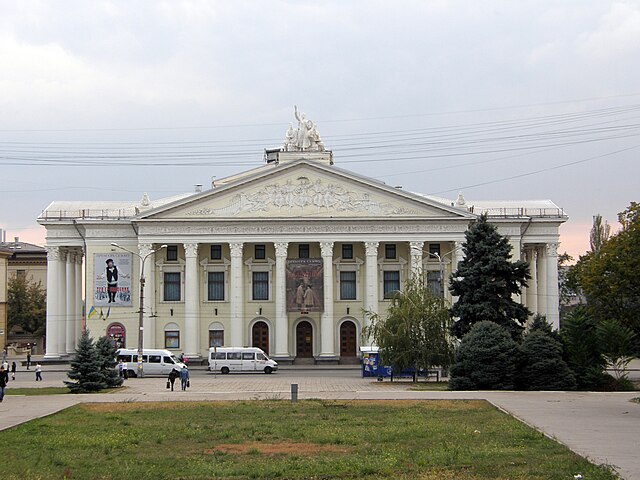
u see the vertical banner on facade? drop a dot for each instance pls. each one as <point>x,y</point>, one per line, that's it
<point>305,285</point>
<point>112,279</point>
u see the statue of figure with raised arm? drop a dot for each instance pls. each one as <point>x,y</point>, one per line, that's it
<point>303,142</point>
<point>304,138</point>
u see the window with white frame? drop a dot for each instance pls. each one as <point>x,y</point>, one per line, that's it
<point>348,285</point>
<point>172,286</point>
<point>171,336</point>
<point>260,285</point>
<point>391,285</point>
<point>215,286</point>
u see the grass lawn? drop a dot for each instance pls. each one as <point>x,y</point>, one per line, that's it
<point>459,440</point>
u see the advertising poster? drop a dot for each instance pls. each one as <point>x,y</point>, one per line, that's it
<point>305,292</point>
<point>112,279</point>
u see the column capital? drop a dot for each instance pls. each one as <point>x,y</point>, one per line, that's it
<point>236,249</point>
<point>551,249</point>
<point>371,248</point>
<point>281,249</point>
<point>63,255</point>
<point>416,248</point>
<point>145,248</point>
<point>53,253</point>
<point>326,249</point>
<point>191,250</point>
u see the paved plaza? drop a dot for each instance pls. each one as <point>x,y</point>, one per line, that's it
<point>603,427</point>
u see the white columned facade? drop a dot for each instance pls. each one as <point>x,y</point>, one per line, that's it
<point>553,301</point>
<point>327,344</point>
<point>282,321</point>
<point>371,280</point>
<point>70,299</point>
<point>149,332</point>
<point>532,289</point>
<point>542,281</point>
<point>78,297</point>
<point>237,295</point>
<point>62,301</point>
<point>53,314</point>
<point>415,250</point>
<point>191,302</point>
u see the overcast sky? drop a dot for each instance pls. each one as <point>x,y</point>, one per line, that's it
<point>508,100</point>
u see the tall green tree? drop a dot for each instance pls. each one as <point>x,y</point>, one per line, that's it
<point>106,352</point>
<point>86,368</point>
<point>26,305</point>
<point>486,282</point>
<point>600,233</point>
<point>415,330</point>
<point>609,277</point>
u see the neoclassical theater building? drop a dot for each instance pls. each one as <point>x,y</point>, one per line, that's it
<point>286,257</point>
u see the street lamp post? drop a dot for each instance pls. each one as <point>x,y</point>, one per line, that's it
<point>441,263</point>
<point>141,313</point>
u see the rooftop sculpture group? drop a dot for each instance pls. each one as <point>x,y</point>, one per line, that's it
<point>305,138</point>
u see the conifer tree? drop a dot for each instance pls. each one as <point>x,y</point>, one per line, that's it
<point>106,352</point>
<point>486,281</point>
<point>85,368</point>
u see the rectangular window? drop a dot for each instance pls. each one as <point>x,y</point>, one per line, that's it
<point>391,283</point>
<point>260,285</point>
<point>218,356</point>
<point>303,250</point>
<point>155,358</point>
<point>216,252</point>
<point>260,252</point>
<point>389,251</point>
<point>215,286</point>
<point>172,286</point>
<point>347,251</point>
<point>216,338</point>
<point>434,283</point>
<point>171,339</point>
<point>347,285</point>
<point>172,253</point>
<point>21,274</point>
<point>248,355</point>
<point>434,249</point>
<point>234,356</point>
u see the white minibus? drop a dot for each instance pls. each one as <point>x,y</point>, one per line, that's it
<point>240,359</point>
<point>154,362</point>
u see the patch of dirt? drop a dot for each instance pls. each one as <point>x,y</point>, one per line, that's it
<point>284,448</point>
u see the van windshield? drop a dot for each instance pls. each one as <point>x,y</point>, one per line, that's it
<point>174,359</point>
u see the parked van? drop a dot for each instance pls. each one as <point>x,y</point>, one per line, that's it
<point>154,362</point>
<point>240,359</point>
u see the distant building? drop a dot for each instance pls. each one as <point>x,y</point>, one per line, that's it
<point>284,257</point>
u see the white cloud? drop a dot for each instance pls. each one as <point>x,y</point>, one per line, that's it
<point>618,34</point>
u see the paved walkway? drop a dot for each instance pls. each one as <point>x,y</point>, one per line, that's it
<point>605,427</point>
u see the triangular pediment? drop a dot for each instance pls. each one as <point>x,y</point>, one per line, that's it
<point>304,190</point>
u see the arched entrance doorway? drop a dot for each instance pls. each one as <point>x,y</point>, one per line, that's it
<point>348,333</point>
<point>304,340</point>
<point>260,336</point>
<point>117,335</point>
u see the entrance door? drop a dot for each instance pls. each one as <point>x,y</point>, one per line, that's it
<point>347,339</point>
<point>304,340</point>
<point>260,336</point>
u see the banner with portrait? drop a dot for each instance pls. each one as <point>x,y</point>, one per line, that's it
<point>305,285</point>
<point>112,279</point>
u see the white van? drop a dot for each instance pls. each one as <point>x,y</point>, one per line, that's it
<point>154,362</point>
<point>240,359</point>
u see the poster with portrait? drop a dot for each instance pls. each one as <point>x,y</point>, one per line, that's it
<point>112,279</point>
<point>305,292</point>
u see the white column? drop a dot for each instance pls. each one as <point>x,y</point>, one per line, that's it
<point>53,314</point>
<point>327,334</point>
<point>282,320</point>
<point>532,289</point>
<point>371,281</point>
<point>62,301</point>
<point>415,250</point>
<point>70,320</point>
<point>456,256</point>
<point>542,282</point>
<point>191,302</point>
<point>149,332</point>
<point>237,295</point>
<point>78,298</point>
<point>553,299</point>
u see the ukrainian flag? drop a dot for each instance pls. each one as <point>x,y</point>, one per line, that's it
<point>92,312</point>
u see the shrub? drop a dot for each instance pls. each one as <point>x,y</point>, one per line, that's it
<point>541,364</point>
<point>485,359</point>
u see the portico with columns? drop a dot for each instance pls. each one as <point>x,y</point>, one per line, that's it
<point>225,277</point>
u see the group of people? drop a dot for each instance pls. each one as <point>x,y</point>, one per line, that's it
<point>5,370</point>
<point>182,374</point>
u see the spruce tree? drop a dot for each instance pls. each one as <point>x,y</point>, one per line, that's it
<point>541,364</point>
<point>486,281</point>
<point>85,368</point>
<point>106,352</point>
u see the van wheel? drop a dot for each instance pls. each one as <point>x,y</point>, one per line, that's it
<point>268,370</point>
<point>132,374</point>
<point>224,370</point>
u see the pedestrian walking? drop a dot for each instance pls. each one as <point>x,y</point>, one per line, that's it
<point>173,374</point>
<point>125,370</point>
<point>38,372</point>
<point>4,379</point>
<point>184,378</point>
<point>28,360</point>
<point>13,370</point>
